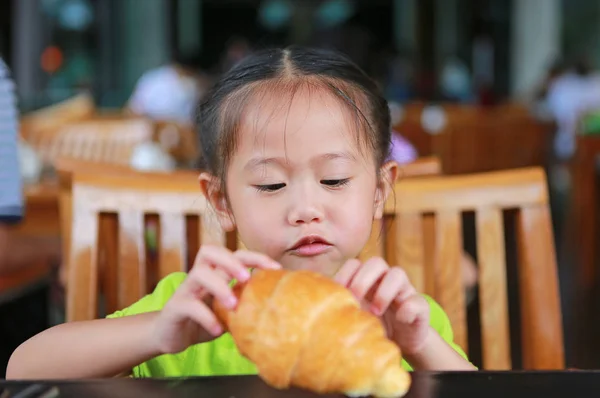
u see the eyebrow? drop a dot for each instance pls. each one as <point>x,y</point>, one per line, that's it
<point>279,161</point>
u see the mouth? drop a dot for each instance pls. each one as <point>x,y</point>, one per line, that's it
<point>311,245</point>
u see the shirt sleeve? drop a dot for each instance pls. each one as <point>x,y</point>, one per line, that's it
<point>440,322</point>
<point>11,197</point>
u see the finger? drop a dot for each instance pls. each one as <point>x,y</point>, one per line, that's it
<point>221,257</point>
<point>347,271</point>
<point>414,308</point>
<point>390,287</point>
<point>201,314</point>
<point>256,260</point>
<point>367,277</point>
<point>207,279</point>
<point>222,273</point>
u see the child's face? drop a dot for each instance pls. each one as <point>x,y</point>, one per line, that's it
<point>300,188</point>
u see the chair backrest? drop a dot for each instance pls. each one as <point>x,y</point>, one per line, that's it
<point>110,140</point>
<point>108,242</point>
<point>480,140</point>
<point>52,117</point>
<point>470,139</point>
<point>65,168</point>
<point>488,195</point>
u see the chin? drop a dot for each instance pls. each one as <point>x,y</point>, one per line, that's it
<point>321,264</point>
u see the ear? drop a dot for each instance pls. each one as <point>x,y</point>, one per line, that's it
<point>387,179</point>
<point>209,185</point>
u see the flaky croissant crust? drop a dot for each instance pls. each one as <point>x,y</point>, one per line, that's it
<point>302,329</point>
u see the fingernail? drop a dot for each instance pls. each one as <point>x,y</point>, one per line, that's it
<point>231,302</point>
<point>243,276</point>
<point>375,310</point>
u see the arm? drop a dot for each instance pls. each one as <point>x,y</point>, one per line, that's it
<point>167,321</point>
<point>18,252</point>
<point>437,355</point>
<point>89,349</point>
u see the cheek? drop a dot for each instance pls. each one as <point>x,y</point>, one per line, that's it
<point>255,220</point>
<point>355,211</point>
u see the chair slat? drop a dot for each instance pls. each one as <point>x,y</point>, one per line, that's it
<point>108,260</point>
<point>540,303</point>
<point>448,272</point>
<point>409,248</point>
<point>82,295</point>
<point>429,243</point>
<point>132,257</point>
<point>492,289</point>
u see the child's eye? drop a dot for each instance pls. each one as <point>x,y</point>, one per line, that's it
<point>335,183</point>
<point>269,187</point>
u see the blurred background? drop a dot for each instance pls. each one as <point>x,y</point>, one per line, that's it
<point>504,48</point>
<point>481,85</point>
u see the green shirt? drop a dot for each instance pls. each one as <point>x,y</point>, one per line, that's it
<point>220,357</point>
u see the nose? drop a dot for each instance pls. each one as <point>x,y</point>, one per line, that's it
<point>305,207</point>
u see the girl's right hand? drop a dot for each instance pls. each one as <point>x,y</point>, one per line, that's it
<point>187,318</point>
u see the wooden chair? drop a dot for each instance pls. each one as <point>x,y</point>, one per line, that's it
<point>487,194</point>
<point>109,140</point>
<point>52,117</point>
<point>475,139</point>
<point>582,221</point>
<point>109,251</point>
<point>65,168</point>
<point>581,235</point>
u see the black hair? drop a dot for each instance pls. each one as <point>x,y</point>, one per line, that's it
<point>219,114</point>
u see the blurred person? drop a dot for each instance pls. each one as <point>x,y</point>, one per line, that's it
<point>556,69</point>
<point>25,314</point>
<point>15,252</point>
<point>169,92</point>
<point>570,93</point>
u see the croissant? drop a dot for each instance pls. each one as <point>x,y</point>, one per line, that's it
<point>302,329</point>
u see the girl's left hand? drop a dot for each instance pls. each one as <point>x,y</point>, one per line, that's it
<point>387,293</point>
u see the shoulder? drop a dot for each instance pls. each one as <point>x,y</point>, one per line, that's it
<point>156,300</point>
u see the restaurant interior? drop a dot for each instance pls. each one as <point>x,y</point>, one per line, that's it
<point>495,118</point>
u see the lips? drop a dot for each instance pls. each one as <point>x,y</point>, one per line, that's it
<point>310,240</point>
<point>311,245</point>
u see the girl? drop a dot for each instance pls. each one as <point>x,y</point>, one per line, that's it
<point>296,142</point>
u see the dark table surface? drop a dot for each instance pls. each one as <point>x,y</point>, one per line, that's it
<point>572,384</point>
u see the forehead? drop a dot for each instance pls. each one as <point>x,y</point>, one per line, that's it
<point>299,122</point>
